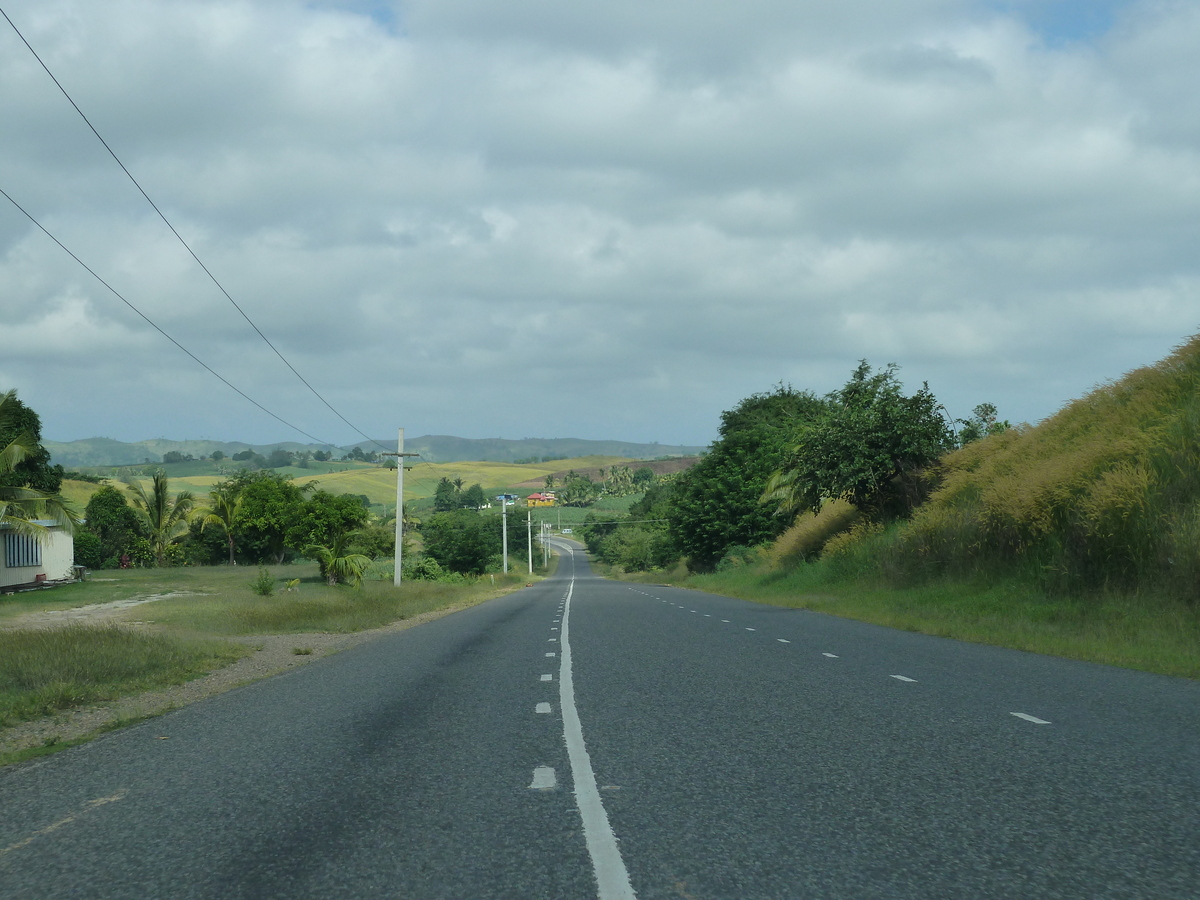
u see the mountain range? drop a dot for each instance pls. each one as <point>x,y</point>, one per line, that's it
<point>101,451</point>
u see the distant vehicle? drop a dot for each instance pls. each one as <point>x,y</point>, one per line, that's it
<point>566,531</point>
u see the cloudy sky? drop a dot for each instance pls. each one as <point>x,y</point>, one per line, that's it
<point>535,218</point>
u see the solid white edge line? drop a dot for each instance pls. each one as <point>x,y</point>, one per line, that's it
<point>612,879</point>
<point>1028,718</point>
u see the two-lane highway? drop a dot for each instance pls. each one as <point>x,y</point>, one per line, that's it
<point>587,738</point>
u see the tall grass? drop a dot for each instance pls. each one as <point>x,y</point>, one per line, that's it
<point>45,670</point>
<point>1105,495</point>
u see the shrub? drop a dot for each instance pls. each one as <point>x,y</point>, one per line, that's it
<point>808,535</point>
<point>264,583</point>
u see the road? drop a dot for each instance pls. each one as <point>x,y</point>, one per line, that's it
<point>586,738</point>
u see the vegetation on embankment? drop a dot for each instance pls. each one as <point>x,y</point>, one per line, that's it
<point>1079,537</point>
<point>1143,631</point>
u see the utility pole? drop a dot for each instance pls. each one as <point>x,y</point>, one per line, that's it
<point>400,455</point>
<point>529,528</point>
<point>504,527</point>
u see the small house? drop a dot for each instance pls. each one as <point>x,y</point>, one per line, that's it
<point>29,559</point>
<point>545,498</point>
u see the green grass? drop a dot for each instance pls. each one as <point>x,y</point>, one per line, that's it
<point>46,670</point>
<point>314,606</point>
<point>1151,632</point>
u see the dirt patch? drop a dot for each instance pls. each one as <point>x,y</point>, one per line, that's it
<point>91,614</point>
<point>273,654</point>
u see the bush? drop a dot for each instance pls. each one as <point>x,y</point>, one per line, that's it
<point>808,535</point>
<point>264,584</point>
<point>424,569</point>
<point>88,551</point>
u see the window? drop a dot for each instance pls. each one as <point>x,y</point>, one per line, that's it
<point>22,551</point>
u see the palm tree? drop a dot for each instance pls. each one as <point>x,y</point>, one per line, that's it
<point>164,518</point>
<point>21,507</point>
<point>338,565</point>
<point>222,510</point>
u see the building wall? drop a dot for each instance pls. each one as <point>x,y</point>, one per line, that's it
<point>58,555</point>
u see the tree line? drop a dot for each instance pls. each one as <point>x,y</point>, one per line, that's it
<point>785,451</point>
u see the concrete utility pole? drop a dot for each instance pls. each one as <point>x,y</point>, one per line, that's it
<point>529,527</point>
<point>504,527</point>
<point>399,454</point>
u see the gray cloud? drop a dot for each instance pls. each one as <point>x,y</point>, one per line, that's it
<point>606,221</point>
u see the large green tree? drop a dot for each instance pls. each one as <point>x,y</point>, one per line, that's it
<point>271,505</point>
<point>323,518</point>
<point>114,525</point>
<point>577,490</point>
<point>715,504</point>
<point>868,446</point>
<point>28,483</point>
<point>163,518</point>
<point>463,540</point>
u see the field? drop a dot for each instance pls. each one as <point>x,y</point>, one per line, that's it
<point>375,482</point>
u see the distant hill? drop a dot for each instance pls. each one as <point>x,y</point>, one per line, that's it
<point>444,448</point>
<point>101,451</point>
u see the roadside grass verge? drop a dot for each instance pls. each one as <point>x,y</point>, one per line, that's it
<point>46,670</point>
<point>315,606</point>
<point>1151,632</point>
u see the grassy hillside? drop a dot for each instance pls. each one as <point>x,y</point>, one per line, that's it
<point>1103,495</point>
<point>1078,537</point>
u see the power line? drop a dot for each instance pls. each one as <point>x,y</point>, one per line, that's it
<point>155,326</point>
<point>186,246</point>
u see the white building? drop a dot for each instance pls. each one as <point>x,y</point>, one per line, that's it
<point>25,559</point>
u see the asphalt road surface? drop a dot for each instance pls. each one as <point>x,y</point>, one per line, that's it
<point>586,738</point>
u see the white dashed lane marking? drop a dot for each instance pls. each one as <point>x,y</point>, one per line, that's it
<point>905,678</point>
<point>547,678</point>
<point>831,656</point>
<point>1028,718</point>
<point>549,654</point>
<point>542,708</point>
<point>783,641</point>
<point>752,629</point>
